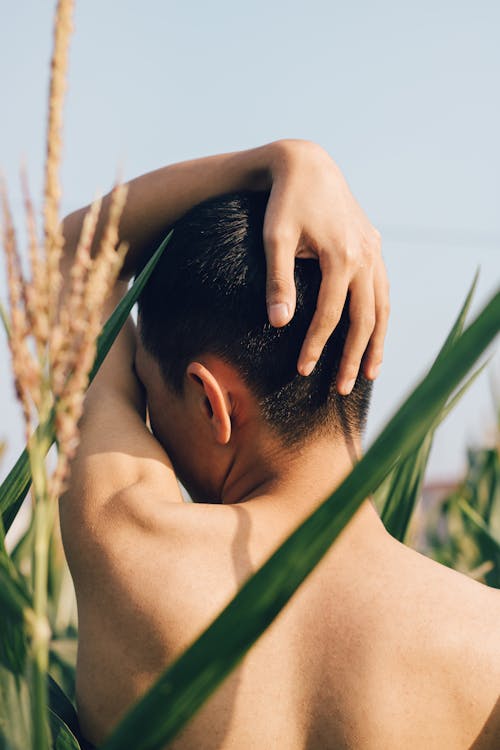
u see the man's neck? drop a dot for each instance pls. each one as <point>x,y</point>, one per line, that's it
<point>289,484</point>
<point>264,465</point>
<point>304,474</point>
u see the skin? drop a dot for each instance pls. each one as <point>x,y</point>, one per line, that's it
<point>379,648</point>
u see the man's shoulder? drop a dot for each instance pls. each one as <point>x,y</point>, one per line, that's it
<point>179,547</point>
<point>143,516</point>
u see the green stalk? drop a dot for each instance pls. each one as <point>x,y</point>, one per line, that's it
<point>44,516</point>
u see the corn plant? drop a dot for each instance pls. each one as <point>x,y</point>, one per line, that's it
<point>463,531</point>
<point>400,492</point>
<point>52,339</point>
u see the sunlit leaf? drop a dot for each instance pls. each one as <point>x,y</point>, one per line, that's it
<point>62,706</point>
<point>403,488</point>
<point>399,494</point>
<point>459,323</point>
<point>15,727</point>
<point>479,523</point>
<point>15,607</point>
<point>62,737</point>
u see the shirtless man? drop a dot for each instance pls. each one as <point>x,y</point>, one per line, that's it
<point>380,647</point>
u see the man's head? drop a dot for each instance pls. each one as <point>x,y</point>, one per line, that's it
<point>206,304</point>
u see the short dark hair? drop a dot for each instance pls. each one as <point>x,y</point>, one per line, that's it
<point>207,295</point>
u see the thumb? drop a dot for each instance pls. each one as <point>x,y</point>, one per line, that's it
<point>280,283</point>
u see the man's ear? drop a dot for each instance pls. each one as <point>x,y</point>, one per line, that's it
<point>217,405</point>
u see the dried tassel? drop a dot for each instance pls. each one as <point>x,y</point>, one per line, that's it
<point>52,230</point>
<point>66,335</point>
<point>35,302</point>
<point>22,361</point>
<point>84,308</point>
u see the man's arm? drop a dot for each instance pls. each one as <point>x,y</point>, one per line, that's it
<point>310,211</point>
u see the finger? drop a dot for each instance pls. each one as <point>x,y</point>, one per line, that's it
<point>375,352</point>
<point>362,323</point>
<point>280,246</point>
<point>331,299</point>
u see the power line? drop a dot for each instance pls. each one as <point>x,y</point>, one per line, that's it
<point>454,237</point>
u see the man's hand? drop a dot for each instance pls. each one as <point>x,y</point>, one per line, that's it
<point>312,213</point>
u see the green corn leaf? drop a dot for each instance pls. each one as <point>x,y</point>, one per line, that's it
<point>494,520</point>
<point>403,487</point>
<point>15,607</point>
<point>15,725</point>
<point>62,663</point>
<point>3,549</point>
<point>489,485</point>
<point>191,679</point>
<point>62,737</point>
<point>115,322</point>
<point>453,401</point>
<point>479,523</point>
<point>14,597</point>
<point>62,707</point>
<point>17,483</point>
<point>459,323</point>
<point>22,552</point>
<point>399,495</point>
<point>13,645</point>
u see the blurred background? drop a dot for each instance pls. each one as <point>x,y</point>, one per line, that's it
<point>404,96</point>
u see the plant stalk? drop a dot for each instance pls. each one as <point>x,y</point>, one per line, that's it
<point>44,516</point>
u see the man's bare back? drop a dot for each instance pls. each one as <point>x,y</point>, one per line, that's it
<point>379,648</point>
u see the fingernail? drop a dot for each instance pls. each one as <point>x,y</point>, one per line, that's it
<point>375,371</point>
<point>307,368</point>
<point>347,387</point>
<point>278,314</point>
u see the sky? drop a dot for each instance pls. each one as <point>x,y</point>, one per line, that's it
<point>404,96</point>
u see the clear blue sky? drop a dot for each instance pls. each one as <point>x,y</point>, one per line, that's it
<point>403,95</point>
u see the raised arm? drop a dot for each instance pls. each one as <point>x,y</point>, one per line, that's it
<point>311,211</point>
